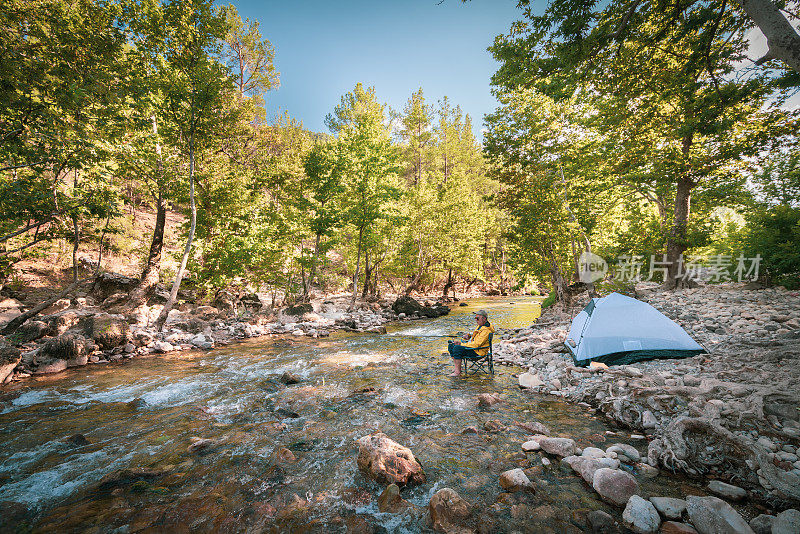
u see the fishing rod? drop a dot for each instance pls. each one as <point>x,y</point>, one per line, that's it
<point>428,335</point>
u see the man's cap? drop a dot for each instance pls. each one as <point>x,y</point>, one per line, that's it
<point>482,312</point>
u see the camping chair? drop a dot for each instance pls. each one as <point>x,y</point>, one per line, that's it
<point>483,364</point>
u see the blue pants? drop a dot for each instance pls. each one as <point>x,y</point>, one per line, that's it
<point>460,353</point>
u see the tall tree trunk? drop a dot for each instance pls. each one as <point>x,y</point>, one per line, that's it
<point>313,271</point>
<point>358,266</point>
<point>152,267</point>
<point>173,294</point>
<point>76,242</point>
<point>367,274</point>
<point>783,41</point>
<point>448,284</point>
<point>676,241</point>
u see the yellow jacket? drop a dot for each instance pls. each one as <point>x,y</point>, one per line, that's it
<point>480,338</point>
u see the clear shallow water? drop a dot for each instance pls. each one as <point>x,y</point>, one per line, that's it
<point>137,474</point>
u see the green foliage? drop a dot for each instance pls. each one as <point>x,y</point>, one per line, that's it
<point>549,301</point>
<point>774,234</point>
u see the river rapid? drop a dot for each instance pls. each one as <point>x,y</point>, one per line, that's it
<point>108,449</point>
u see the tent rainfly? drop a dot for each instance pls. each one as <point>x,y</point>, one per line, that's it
<point>618,330</point>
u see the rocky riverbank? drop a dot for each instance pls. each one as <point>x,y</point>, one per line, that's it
<point>95,327</point>
<point>730,416</point>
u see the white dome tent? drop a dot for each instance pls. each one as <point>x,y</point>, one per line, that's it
<point>617,330</point>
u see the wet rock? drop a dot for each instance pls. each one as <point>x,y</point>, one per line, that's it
<point>534,427</point>
<point>762,524</point>
<point>530,380</point>
<point>31,331</point>
<point>202,444</point>
<point>669,507</point>
<point>162,347</point>
<point>712,515</point>
<point>449,513</point>
<point>282,456</point>
<point>78,440</point>
<point>530,446</point>
<point>641,516</point>
<point>787,522</point>
<point>593,452</point>
<point>358,524</point>
<point>649,420</point>
<point>299,309</point>
<point>488,399</point>
<point>558,446</point>
<point>9,359</point>
<point>407,305</point>
<point>109,331</point>
<point>494,425</point>
<point>385,460</point>
<point>470,430</point>
<point>64,347</point>
<point>728,491</point>
<point>628,451</point>
<point>647,471</point>
<point>516,480</point>
<point>391,501</point>
<point>602,523</point>
<point>289,378</point>
<point>614,486</point>
<point>673,527</point>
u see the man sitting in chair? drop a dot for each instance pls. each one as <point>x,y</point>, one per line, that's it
<point>476,347</point>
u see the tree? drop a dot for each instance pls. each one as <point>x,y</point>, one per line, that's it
<point>416,133</point>
<point>368,161</point>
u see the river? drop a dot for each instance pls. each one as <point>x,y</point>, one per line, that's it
<point>106,449</point>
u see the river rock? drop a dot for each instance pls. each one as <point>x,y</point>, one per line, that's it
<point>488,399</point>
<point>68,347</point>
<point>110,283</point>
<point>390,500</point>
<point>674,527</point>
<point>787,522</point>
<point>649,420</point>
<point>712,515</point>
<point>762,524</point>
<point>9,359</point>
<point>602,523</point>
<point>516,480</point>
<point>162,347</point>
<point>728,491</point>
<point>641,516</point>
<point>534,427</point>
<point>628,451</point>
<point>289,378</point>
<point>109,331</point>
<point>669,507</point>
<point>530,446</point>
<point>530,380</point>
<point>558,446</point>
<point>407,305</point>
<point>31,331</point>
<point>614,486</point>
<point>387,461</point>
<point>494,425</point>
<point>593,452</point>
<point>449,513</point>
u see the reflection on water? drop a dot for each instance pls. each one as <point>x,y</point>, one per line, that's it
<point>134,471</point>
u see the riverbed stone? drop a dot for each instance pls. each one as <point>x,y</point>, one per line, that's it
<point>534,427</point>
<point>488,399</point>
<point>787,522</point>
<point>31,331</point>
<point>675,527</point>
<point>602,523</point>
<point>623,449</point>
<point>494,425</point>
<point>593,452</point>
<point>385,460</point>
<point>712,515</point>
<point>531,446</point>
<point>530,380</point>
<point>558,446</point>
<point>641,516</point>
<point>449,513</point>
<point>728,491</point>
<point>162,347</point>
<point>390,500</point>
<point>669,507</point>
<point>516,480</point>
<point>9,359</point>
<point>762,524</point>
<point>109,331</point>
<point>614,486</point>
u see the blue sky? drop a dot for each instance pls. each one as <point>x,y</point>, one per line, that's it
<point>323,48</point>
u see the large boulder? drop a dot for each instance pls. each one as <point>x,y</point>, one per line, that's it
<point>516,480</point>
<point>299,309</point>
<point>71,348</point>
<point>407,305</point>
<point>251,303</point>
<point>108,284</point>
<point>9,358</point>
<point>787,522</point>
<point>712,515</point>
<point>614,486</point>
<point>387,461</point>
<point>31,331</point>
<point>449,513</point>
<point>669,507</point>
<point>558,446</point>
<point>641,516</point>
<point>109,331</point>
<point>9,309</point>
